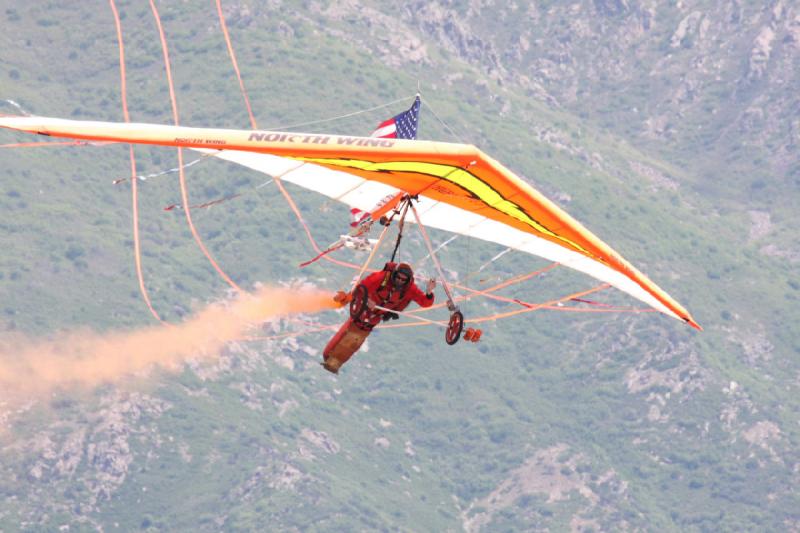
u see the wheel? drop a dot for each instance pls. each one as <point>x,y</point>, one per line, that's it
<point>454,328</point>
<point>358,303</point>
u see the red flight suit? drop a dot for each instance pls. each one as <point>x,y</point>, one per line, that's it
<point>382,292</point>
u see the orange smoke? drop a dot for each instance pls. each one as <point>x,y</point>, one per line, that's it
<point>87,359</point>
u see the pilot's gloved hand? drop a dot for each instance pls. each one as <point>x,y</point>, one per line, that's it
<point>341,297</point>
<point>430,286</point>
<point>388,315</point>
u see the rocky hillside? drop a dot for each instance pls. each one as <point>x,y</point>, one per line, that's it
<point>669,129</point>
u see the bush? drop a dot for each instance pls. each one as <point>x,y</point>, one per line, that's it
<point>74,252</point>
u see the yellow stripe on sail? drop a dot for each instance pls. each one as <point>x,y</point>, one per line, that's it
<point>457,176</point>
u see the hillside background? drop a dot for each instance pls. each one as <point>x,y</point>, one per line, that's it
<point>671,130</point>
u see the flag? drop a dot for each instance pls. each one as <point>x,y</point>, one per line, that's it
<point>357,216</point>
<point>402,126</point>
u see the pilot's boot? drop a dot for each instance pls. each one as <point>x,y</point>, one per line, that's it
<point>332,365</point>
<point>343,345</point>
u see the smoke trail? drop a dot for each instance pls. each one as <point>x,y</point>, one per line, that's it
<point>86,359</point>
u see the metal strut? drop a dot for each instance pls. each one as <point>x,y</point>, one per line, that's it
<point>456,323</point>
<point>363,268</point>
<point>450,303</point>
<point>386,223</point>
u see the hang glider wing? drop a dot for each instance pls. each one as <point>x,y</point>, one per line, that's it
<point>460,188</point>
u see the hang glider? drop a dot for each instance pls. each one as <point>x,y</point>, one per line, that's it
<point>460,189</point>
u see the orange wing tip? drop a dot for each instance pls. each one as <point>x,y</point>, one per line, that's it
<point>689,320</point>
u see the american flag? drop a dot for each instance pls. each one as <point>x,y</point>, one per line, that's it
<point>402,126</point>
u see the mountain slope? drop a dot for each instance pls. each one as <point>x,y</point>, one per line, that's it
<point>554,420</point>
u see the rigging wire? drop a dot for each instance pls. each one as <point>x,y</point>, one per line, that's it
<point>357,279</point>
<point>446,126</point>
<point>16,105</point>
<point>536,307</point>
<point>552,305</point>
<point>438,248</point>
<point>340,117</point>
<point>487,263</point>
<point>210,203</point>
<point>488,293</point>
<point>145,177</point>
<point>56,143</point>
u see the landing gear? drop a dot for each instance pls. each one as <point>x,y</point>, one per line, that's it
<point>454,327</point>
<point>358,303</point>
<point>359,299</point>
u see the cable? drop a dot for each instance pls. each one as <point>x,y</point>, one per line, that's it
<point>488,292</point>
<point>446,126</point>
<point>145,177</point>
<point>17,106</point>
<point>346,115</point>
<point>451,304</point>
<point>56,143</point>
<point>357,279</point>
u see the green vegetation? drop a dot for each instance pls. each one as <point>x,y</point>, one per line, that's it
<point>647,431</point>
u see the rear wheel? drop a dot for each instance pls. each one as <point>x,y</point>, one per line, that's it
<point>358,303</point>
<point>454,328</point>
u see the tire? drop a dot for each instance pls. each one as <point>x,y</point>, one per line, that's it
<point>358,303</point>
<point>454,328</point>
